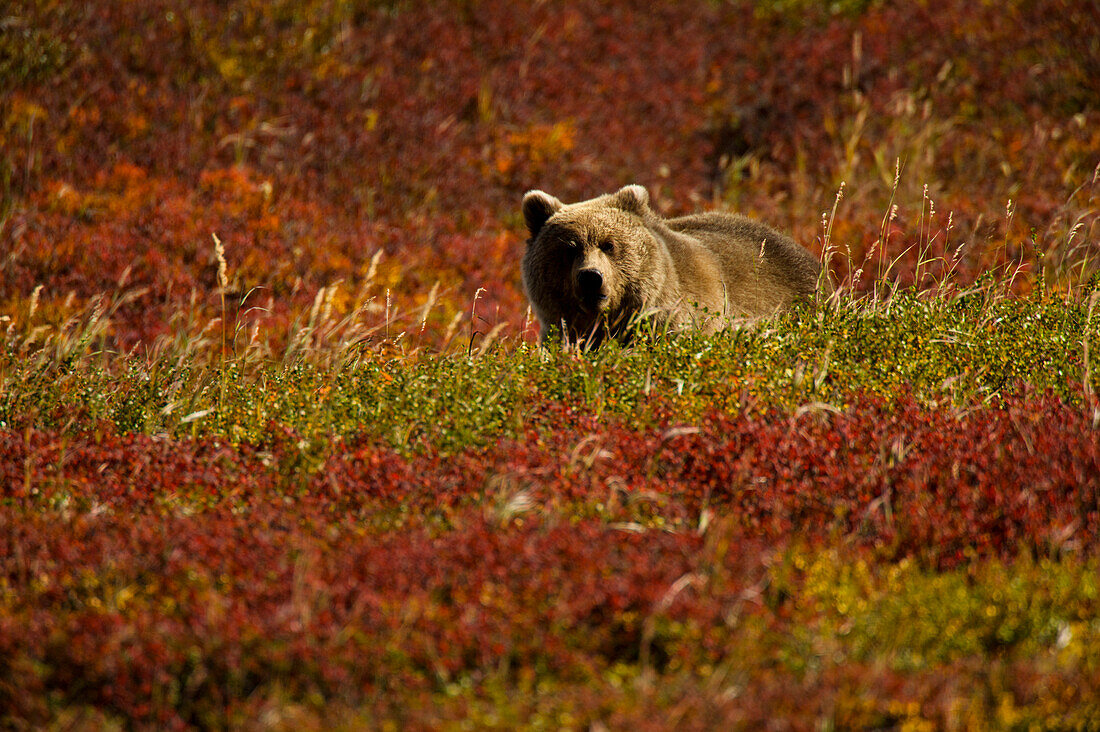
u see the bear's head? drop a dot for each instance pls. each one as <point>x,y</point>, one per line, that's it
<point>584,261</point>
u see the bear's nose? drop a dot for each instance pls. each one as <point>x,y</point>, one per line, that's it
<point>590,284</point>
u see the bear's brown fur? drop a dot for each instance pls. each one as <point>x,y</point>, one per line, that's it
<point>592,268</point>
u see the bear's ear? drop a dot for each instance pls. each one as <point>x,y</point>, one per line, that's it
<point>633,199</point>
<point>537,208</point>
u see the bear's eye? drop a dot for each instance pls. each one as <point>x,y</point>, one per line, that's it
<point>607,246</point>
<point>568,250</point>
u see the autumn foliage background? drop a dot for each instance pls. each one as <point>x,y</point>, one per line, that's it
<point>277,449</point>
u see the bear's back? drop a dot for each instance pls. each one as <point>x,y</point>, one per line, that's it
<point>750,250</point>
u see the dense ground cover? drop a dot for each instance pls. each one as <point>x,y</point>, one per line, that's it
<point>278,450</point>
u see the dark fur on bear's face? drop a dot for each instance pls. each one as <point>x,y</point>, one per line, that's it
<point>593,267</point>
<point>585,265</point>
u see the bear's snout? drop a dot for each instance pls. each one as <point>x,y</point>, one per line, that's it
<point>590,287</point>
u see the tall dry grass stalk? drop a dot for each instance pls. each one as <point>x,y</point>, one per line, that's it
<point>1091,328</point>
<point>827,219</point>
<point>888,219</point>
<point>223,283</point>
<point>828,251</point>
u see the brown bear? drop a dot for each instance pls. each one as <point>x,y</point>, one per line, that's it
<point>596,268</point>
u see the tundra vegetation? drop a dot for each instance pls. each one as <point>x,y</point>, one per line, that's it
<point>278,448</point>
